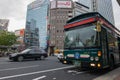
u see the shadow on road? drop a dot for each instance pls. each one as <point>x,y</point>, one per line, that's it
<point>94,72</point>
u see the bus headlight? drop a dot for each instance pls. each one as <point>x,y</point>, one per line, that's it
<point>91,58</point>
<point>99,65</point>
<point>96,58</point>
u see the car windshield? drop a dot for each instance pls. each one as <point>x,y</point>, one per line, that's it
<point>26,50</point>
<point>83,36</point>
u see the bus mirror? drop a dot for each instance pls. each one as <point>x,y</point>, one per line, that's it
<point>98,26</point>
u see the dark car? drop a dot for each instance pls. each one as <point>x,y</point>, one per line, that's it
<point>29,54</point>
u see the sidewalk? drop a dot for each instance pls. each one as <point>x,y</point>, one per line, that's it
<point>113,75</point>
<point>117,78</point>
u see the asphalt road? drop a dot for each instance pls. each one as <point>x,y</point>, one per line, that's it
<point>48,69</point>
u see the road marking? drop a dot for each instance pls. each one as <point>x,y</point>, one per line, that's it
<point>71,71</point>
<point>4,63</point>
<point>54,78</point>
<point>19,68</point>
<point>13,76</point>
<point>39,78</point>
<point>76,72</point>
<point>81,72</point>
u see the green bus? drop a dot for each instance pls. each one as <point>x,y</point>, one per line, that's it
<point>91,41</point>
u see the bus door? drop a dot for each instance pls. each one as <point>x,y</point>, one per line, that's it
<point>119,47</point>
<point>104,46</point>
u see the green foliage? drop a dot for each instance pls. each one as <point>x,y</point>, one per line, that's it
<point>7,38</point>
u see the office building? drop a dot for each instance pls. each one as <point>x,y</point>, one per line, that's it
<point>79,8</point>
<point>105,8</point>
<point>86,3</point>
<point>36,24</point>
<point>4,24</point>
<point>60,12</point>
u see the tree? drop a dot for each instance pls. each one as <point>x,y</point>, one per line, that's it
<point>7,38</point>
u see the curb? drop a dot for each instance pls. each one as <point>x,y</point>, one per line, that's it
<point>113,75</point>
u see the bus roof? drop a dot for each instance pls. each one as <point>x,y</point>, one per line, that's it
<point>86,15</point>
<point>90,15</point>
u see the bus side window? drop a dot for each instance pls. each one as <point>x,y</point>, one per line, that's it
<point>111,42</point>
<point>119,43</point>
<point>119,46</point>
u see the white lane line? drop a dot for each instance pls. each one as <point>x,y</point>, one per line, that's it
<point>19,68</point>
<point>76,72</point>
<point>39,78</point>
<point>7,77</point>
<point>81,72</point>
<point>4,63</point>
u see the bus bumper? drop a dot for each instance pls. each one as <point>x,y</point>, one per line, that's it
<point>94,65</point>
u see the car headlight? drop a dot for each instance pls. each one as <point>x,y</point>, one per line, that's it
<point>13,55</point>
<point>91,58</point>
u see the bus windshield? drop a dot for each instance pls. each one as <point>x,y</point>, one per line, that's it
<point>82,36</point>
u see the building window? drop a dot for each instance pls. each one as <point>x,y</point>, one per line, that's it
<point>69,16</point>
<point>69,11</point>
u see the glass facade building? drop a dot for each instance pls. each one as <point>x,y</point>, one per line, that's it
<point>87,3</point>
<point>36,24</point>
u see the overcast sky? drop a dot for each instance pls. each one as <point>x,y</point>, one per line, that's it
<point>15,11</point>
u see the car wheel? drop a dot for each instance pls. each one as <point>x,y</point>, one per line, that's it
<point>36,58</point>
<point>42,57</point>
<point>20,58</point>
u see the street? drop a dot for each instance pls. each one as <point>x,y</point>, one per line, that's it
<point>48,69</point>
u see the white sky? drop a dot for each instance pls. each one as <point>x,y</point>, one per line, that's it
<point>15,11</point>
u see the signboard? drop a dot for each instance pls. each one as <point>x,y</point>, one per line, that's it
<point>77,55</point>
<point>19,32</point>
<point>64,4</point>
<point>36,4</point>
<point>53,4</point>
<point>22,32</point>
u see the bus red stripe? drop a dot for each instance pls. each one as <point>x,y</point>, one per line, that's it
<point>108,25</point>
<point>80,23</point>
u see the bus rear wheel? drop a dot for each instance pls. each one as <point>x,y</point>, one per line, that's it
<point>112,63</point>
